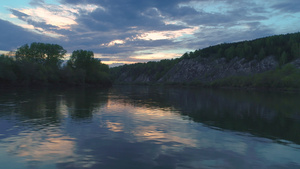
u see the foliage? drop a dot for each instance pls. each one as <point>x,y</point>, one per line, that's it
<point>285,47</point>
<point>40,63</point>
<point>87,68</point>
<point>155,70</point>
<point>42,53</point>
<point>6,69</point>
<point>283,77</point>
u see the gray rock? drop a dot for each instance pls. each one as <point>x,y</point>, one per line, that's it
<point>206,70</point>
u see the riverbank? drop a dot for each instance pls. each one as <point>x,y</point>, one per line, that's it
<point>286,78</point>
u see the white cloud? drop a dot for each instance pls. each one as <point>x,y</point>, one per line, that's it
<point>4,52</point>
<point>114,42</point>
<point>127,31</point>
<point>59,16</point>
<point>159,35</point>
<point>154,35</point>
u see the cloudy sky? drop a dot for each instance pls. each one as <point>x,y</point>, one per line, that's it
<point>128,31</point>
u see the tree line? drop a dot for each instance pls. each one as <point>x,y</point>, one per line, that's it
<point>154,70</point>
<point>42,63</point>
<point>284,48</point>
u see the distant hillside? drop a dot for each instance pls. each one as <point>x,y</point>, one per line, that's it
<point>224,62</point>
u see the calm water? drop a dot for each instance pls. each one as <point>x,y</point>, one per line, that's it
<point>148,127</point>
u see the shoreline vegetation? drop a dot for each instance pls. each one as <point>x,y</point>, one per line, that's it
<point>42,64</point>
<point>286,78</point>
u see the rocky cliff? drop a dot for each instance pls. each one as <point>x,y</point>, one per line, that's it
<point>214,63</point>
<point>204,70</point>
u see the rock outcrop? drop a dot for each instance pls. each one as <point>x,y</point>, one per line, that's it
<point>206,70</point>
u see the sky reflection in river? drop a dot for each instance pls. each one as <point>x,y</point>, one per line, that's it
<point>141,128</point>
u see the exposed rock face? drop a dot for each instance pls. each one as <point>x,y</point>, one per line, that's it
<point>206,70</point>
<point>296,63</point>
<point>125,77</point>
<point>209,70</point>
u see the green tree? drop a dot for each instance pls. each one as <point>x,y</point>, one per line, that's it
<point>248,51</point>
<point>44,53</point>
<point>39,62</point>
<point>7,74</point>
<point>295,50</point>
<point>261,54</point>
<point>283,58</point>
<point>81,59</point>
<point>91,70</point>
<point>240,51</point>
<point>230,53</point>
<point>185,56</point>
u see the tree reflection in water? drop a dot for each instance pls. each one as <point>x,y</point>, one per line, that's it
<point>148,127</point>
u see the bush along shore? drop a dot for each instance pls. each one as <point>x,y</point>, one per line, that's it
<point>43,64</point>
<point>286,77</point>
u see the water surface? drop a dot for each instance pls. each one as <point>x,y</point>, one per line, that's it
<point>148,127</point>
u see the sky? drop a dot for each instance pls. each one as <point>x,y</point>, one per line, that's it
<point>130,31</point>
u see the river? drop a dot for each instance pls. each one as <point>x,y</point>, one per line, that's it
<point>148,127</point>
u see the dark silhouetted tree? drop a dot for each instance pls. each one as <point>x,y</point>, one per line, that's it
<point>91,70</point>
<point>44,53</point>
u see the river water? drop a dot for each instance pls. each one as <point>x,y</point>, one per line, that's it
<point>148,127</point>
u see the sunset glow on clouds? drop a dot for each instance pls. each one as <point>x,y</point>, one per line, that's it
<point>62,20</point>
<point>58,16</point>
<point>154,35</point>
<point>155,56</point>
<point>159,35</point>
<point>114,42</point>
<point>120,30</point>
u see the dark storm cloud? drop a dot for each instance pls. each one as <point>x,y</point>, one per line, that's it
<point>127,20</point>
<point>241,11</point>
<point>13,36</point>
<point>290,6</point>
<point>125,16</point>
<point>37,2</point>
<point>127,50</point>
<point>217,36</point>
<point>121,19</point>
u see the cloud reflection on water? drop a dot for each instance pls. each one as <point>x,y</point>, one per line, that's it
<point>46,147</point>
<point>42,146</point>
<point>115,127</point>
<point>93,130</point>
<point>216,147</point>
<point>148,124</point>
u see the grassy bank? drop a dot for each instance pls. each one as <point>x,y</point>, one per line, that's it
<point>285,77</point>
